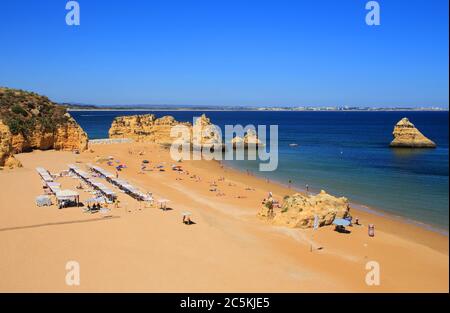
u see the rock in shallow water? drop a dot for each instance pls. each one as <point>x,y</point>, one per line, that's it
<point>406,135</point>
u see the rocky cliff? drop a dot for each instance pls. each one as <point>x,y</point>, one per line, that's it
<point>6,156</point>
<point>205,133</point>
<point>148,128</point>
<point>298,211</point>
<point>29,121</point>
<point>250,140</point>
<point>144,128</point>
<point>406,135</point>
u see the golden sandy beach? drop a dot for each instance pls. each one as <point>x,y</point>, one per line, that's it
<point>228,249</point>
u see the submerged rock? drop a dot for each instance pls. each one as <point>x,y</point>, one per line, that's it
<point>299,211</point>
<point>406,135</point>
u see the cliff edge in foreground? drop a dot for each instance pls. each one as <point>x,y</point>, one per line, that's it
<point>406,135</point>
<point>29,121</point>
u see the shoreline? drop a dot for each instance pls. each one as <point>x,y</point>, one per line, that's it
<point>229,248</point>
<point>362,207</point>
<point>359,206</point>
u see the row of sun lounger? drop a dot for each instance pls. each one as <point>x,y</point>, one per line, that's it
<point>45,175</point>
<point>121,184</point>
<point>48,180</point>
<point>108,193</point>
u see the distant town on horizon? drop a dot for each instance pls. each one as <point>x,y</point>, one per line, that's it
<point>168,107</point>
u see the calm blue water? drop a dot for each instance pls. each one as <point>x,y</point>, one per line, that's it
<point>345,153</point>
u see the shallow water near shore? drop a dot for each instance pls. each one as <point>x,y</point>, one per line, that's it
<point>345,153</point>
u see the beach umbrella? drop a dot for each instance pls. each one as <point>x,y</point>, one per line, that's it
<point>341,222</point>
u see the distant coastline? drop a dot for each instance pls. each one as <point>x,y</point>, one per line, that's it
<point>187,107</point>
<point>214,109</point>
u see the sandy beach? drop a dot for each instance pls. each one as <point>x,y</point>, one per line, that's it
<point>228,249</point>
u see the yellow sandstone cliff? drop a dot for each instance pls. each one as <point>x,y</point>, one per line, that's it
<point>250,140</point>
<point>148,128</point>
<point>144,128</point>
<point>29,121</point>
<point>6,156</point>
<point>204,133</point>
<point>299,211</point>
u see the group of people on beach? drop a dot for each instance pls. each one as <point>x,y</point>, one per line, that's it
<point>96,207</point>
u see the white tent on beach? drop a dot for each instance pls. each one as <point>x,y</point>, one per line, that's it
<point>69,195</point>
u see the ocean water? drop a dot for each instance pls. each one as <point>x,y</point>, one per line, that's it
<point>345,153</point>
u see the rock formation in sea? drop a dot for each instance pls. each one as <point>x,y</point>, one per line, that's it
<point>148,128</point>
<point>299,211</point>
<point>205,133</point>
<point>29,121</point>
<point>144,128</point>
<point>250,140</point>
<point>406,135</point>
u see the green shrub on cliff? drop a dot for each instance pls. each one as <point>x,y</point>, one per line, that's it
<point>22,111</point>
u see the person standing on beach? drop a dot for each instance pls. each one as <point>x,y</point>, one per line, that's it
<point>307,188</point>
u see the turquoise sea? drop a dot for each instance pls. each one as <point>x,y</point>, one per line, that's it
<point>345,153</point>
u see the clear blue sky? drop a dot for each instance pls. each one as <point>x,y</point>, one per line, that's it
<point>228,52</point>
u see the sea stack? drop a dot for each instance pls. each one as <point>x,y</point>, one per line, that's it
<point>406,135</point>
<point>250,140</point>
<point>205,133</point>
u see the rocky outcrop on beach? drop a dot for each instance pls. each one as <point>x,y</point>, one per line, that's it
<point>250,140</point>
<point>144,128</point>
<point>7,158</point>
<point>205,133</point>
<point>30,121</point>
<point>299,211</point>
<point>148,128</point>
<point>406,135</point>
